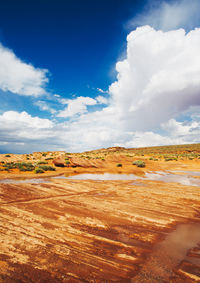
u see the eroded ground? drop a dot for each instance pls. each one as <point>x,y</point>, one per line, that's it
<point>101,231</point>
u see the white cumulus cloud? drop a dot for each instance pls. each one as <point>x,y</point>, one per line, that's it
<point>101,99</point>
<point>171,15</point>
<point>159,79</point>
<point>19,77</point>
<point>43,105</point>
<point>75,106</point>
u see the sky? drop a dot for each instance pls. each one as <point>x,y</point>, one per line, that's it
<point>80,75</point>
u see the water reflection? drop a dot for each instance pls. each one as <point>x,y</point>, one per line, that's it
<point>25,180</point>
<point>169,253</point>
<point>105,176</point>
<point>168,177</point>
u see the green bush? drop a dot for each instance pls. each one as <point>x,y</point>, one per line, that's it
<point>38,170</point>
<point>47,168</point>
<point>170,158</point>
<point>119,165</point>
<point>7,155</point>
<point>139,163</point>
<point>42,162</point>
<point>67,162</point>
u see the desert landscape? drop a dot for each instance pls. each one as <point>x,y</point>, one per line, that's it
<point>108,215</point>
<point>100,141</point>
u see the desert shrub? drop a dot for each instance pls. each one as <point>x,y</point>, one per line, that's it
<point>151,158</point>
<point>119,165</point>
<point>22,166</point>
<point>47,168</point>
<point>67,162</point>
<point>38,170</point>
<point>7,155</point>
<point>139,163</point>
<point>9,166</point>
<point>44,154</point>
<point>42,162</point>
<point>170,158</point>
<point>49,158</point>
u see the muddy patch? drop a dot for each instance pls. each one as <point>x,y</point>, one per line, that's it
<point>168,254</point>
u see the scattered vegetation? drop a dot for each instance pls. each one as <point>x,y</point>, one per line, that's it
<point>139,163</point>
<point>22,166</point>
<point>7,155</point>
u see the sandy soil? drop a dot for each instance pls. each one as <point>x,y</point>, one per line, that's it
<point>100,231</point>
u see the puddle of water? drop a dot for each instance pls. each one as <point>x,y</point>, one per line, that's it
<point>169,253</point>
<point>105,176</point>
<point>190,173</point>
<point>157,176</point>
<point>59,177</point>
<point>25,180</point>
<point>169,178</point>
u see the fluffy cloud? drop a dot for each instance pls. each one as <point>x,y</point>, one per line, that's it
<point>19,77</point>
<point>25,119</point>
<point>43,105</point>
<point>101,90</point>
<point>159,79</point>
<point>169,15</point>
<point>75,106</point>
<point>21,126</point>
<point>22,133</point>
<point>101,99</point>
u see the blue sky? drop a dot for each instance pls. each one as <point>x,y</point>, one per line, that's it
<point>71,79</point>
<point>79,42</point>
